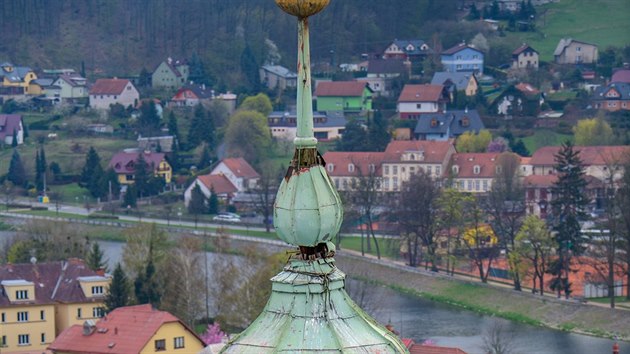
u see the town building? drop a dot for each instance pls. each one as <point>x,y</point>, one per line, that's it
<point>124,164</point>
<point>170,74</point>
<point>72,87</point>
<point>107,92</point>
<point>621,75</point>
<point>456,81</point>
<point>443,126</point>
<point>597,160</point>
<point>277,77</point>
<point>129,330</point>
<point>16,80</point>
<point>218,184</point>
<point>407,49</point>
<point>612,97</point>
<point>40,300</point>
<point>473,172</point>
<point>347,96</point>
<point>570,51</point>
<point>416,100</point>
<point>347,168</point>
<point>327,125</point>
<point>11,125</point>
<point>156,143</point>
<point>239,172</point>
<point>192,95</point>
<point>463,58</point>
<point>525,57</point>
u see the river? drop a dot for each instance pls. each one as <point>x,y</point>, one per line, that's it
<point>445,325</point>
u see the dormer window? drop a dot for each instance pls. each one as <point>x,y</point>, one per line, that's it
<point>434,122</point>
<point>464,122</point>
<point>97,290</point>
<point>372,168</point>
<point>330,167</point>
<point>476,169</point>
<point>455,169</point>
<point>350,167</point>
<point>499,169</point>
<point>21,294</point>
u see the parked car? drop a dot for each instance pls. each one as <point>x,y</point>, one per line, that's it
<point>227,218</point>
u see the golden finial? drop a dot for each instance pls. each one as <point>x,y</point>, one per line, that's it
<point>302,8</point>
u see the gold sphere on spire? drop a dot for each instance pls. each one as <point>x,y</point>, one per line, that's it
<point>302,8</point>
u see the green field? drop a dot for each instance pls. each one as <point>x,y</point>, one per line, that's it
<point>601,22</point>
<point>544,137</point>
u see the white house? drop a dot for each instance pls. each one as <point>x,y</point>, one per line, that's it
<point>10,123</point>
<point>240,173</point>
<point>415,100</point>
<point>106,92</point>
<point>220,184</point>
<point>71,86</point>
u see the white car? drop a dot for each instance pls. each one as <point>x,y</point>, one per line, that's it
<point>227,218</point>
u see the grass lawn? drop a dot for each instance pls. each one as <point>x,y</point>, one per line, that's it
<point>70,193</point>
<point>601,22</point>
<point>388,247</point>
<point>604,300</point>
<point>544,137</point>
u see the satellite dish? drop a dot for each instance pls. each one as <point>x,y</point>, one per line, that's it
<point>33,260</point>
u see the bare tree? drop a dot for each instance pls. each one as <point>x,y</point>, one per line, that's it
<point>622,201</point>
<point>265,191</point>
<point>534,244</point>
<point>451,205</point>
<point>498,340</point>
<point>364,196</point>
<point>480,240</point>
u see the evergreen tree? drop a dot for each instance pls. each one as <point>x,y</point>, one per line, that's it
<point>172,127</point>
<point>95,258</point>
<point>149,121</point>
<point>131,197</point>
<point>107,178</point>
<point>197,203</point>
<point>92,163</point>
<point>198,73</point>
<point>474,13</point>
<point>568,209</point>
<point>146,286</point>
<point>141,176</point>
<point>519,148</point>
<point>354,138</point>
<point>213,202</point>
<point>249,69</point>
<point>14,141</point>
<point>378,136</point>
<point>201,129</point>
<point>39,179</point>
<point>17,174</point>
<point>144,79</point>
<point>118,292</point>
<point>205,158</point>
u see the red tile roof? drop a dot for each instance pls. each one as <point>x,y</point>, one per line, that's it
<point>124,162</point>
<point>434,349</point>
<point>124,330</point>
<point>590,155</point>
<point>361,161</point>
<point>54,281</point>
<point>219,183</point>
<point>539,181</point>
<point>240,167</point>
<point>621,75</point>
<point>340,88</point>
<point>458,48</point>
<point>8,123</point>
<point>521,49</point>
<point>421,93</point>
<point>467,161</point>
<point>527,89</point>
<point>434,151</point>
<point>108,86</point>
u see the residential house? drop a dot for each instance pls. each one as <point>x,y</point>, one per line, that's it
<point>517,100</point>
<point>11,125</point>
<point>39,300</point>
<point>16,80</point>
<point>326,125</point>
<point>277,77</point>
<point>129,330</point>
<point>124,164</point>
<point>416,100</point>
<point>570,51</point>
<point>106,92</point>
<point>156,143</point>
<point>50,93</point>
<point>192,95</point>
<point>597,160</point>
<point>456,81</point>
<point>448,125</point>
<point>612,97</point>
<point>72,87</point>
<point>347,96</point>
<point>240,173</point>
<point>407,49</point>
<point>473,172</point>
<point>621,75</point>
<point>346,169</point>
<point>170,74</point>
<point>381,75</point>
<point>539,193</point>
<point>463,58</point>
<point>405,158</point>
<point>100,128</point>
<point>219,184</point>
<point>525,57</point>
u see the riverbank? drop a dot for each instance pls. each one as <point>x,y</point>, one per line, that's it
<point>567,315</point>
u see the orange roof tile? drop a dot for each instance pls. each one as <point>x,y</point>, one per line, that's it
<point>108,86</point>
<point>340,88</point>
<point>361,160</point>
<point>124,330</point>
<point>421,93</point>
<point>240,167</point>
<point>219,183</point>
<point>434,151</point>
<point>590,155</point>
<point>467,161</point>
<point>434,349</point>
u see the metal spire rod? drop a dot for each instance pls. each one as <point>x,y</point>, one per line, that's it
<point>305,137</point>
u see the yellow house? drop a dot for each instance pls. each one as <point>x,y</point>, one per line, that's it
<point>132,329</point>
<point>16,80</point>
<point>34,298</point>
<point>124,163</point>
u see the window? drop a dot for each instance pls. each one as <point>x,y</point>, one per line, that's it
<point>350,167</point>
<point>418,105</point>
<point>4,341</point>
<point>97,312</point>
<point>394,170</point>
<point>43,338</point>
<point>372,168</point>
<point>485,185</point>
<point>337,183</point>
<point>97,290</point>
<point>160,344</point>
<point>476,169</point>
<point>178,342</point>
<point>438,170</point>
<point>459,66</point>
<point>578,49</point>
<point>434,122</point>
<point>330,167</point>
<point>42,315</point>
<point>4,317</point>
<point>402,169</point>
<point>395,183</point>
<point>455,169</point>
<point>412,169</point>
<point>459,57</point>
<point>429,170</point>
<point>477,185</point>
<point>386,170</point>
<point>22,316</point>
<point>475,57</point>
<point>79,312</point>
<point>21,294</point>
<point>386,183</point>
<point>23,339</point>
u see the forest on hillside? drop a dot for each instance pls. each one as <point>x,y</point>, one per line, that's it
<point>120,37</point>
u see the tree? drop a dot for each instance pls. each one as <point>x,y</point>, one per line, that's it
<point>47,241</point>
<point>497,145</point>
<point>417,211</point>
<point>142,175</point>
<point>201,129</point>
<point>118,291</point>
<point>568,208</point>
<point>622,201</point>
<point>95,258</point>
<point>265,191</point>
<point>198,73</point>
<point>248,136</point>
<point>173,128</point>
<point>354,138</point>
<point>518,147</point>
<point>534,244</point>
<point>16,174</point>
<point>378,135</point>
<point>144,78</point>
<point>149,120</point>
<point>473,15</point>
<point>197,203</point>
<point>480,240</point>
<point>591,132</point>
<point>213,334</point>
<point>131,197</point>
<point>249,68</point>
<point>213,203</point>
<point>14,139</point>
<point>451,204</point>
<point>259,103</point>
<point>364,196</point>
<point>471,142</point>
<point>144,242</point>
<point>146,287</point>
<point>92,168</point>
<point>205,159</point>
<point>498,340</point>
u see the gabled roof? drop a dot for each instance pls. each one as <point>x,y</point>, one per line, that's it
<point>620,87</point>
<point>527,89</point>
<point>108,86</point>
<point>240,167</point>
<point>219,183</point>
<point>547,181</point>
<point>565,42</point>
<point>341,88</point>
<point>124,330</point>
<point>454,122</point>
<point>339,160</point>
<point>9,123</point>
<point>403,44</point>
<point>200,91</point>
<point>421,93</point>
<point>54,281</point>
<point>124,162</point>
<point>523,48</point>
<point>17,74</point>
<point>459,79</point>
<point>459,48</point>
<point>173,65</point>
<point>73,80</point>
<point>466,163</point>
<point>621,75</point>
<point>590,155</point>
<point>434,151</point>
<point>386,66</point>
<point>280,71</point>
